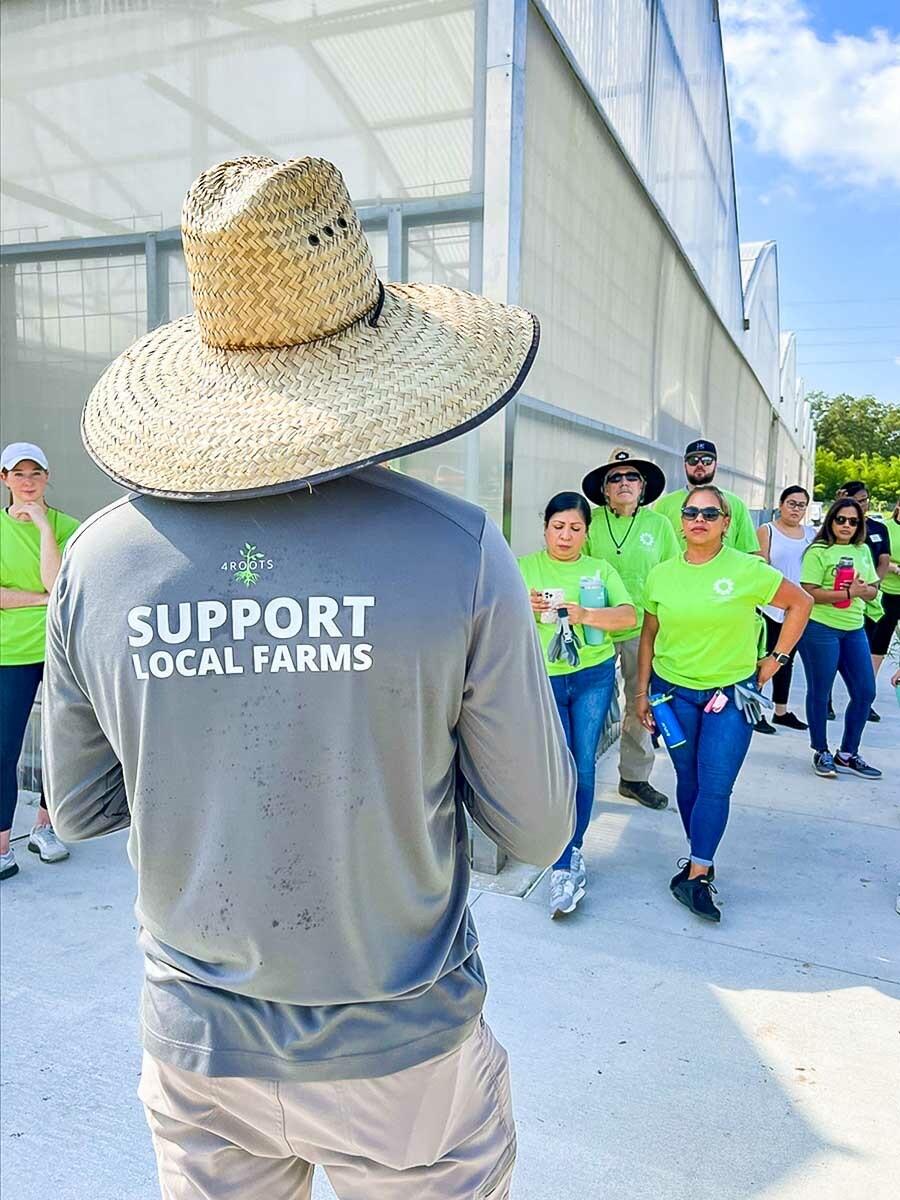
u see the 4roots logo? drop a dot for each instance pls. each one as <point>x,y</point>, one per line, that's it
<point>247,568</point>
<point>723,587</point>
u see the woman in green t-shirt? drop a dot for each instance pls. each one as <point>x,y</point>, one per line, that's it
<point>698,642</point>
<point>835,639</point>
<point>880,631</point>
<point>583,690</point>
<point>32,538</point>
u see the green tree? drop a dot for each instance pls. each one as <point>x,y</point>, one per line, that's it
<point>881,476</point>
<point>851,426</point>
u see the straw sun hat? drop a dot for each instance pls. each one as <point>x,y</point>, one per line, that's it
<point>654,480</point>
<point>298,365</point>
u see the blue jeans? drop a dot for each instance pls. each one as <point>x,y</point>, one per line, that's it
<point>583,699</point>
<point>707,765</point>
<point>18,687</point>
<point>824,652</point>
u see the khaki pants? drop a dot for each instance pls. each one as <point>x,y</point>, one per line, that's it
<point>635,747</point>
<point>442,1130</point>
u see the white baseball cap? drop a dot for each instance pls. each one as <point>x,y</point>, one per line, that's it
<point>17,452</point>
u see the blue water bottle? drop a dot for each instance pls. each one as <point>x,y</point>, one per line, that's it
<point>667,722</point>
<point>592,594</point>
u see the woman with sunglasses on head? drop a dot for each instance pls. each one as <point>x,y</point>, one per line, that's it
<point>583,688</point>
<point>839,574</point>
<point>699,649</point>
<point>782,543</point>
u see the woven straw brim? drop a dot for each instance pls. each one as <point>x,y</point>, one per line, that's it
<point>174,417</point>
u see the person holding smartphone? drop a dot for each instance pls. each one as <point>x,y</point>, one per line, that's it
<point>698,645</point>
<point>583,691</point>
<point>32,539</point>
<point>835,640</point>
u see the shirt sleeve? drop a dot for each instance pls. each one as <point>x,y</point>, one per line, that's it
<point>812,567</point>
<point>745,534</point>
<point>669,546</point>
<point>649,600</point>
<point>518,775</point>
<point>83,778</point>
<point>767,580</point>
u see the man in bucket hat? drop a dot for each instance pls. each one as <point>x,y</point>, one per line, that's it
<point>251,665</point>
<point>700,461</point>
<point>633,538</point>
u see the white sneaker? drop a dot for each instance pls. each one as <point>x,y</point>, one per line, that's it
<point>8,864</point>
<point>43,841</point>
<point>565,892</point>
<point>576,865</point>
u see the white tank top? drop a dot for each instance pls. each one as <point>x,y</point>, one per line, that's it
<point>786,555</point>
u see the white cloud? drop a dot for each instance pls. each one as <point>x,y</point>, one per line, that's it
<point>829,107</point>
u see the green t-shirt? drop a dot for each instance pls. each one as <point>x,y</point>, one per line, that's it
<point>635,546</point>
<point>708,624</point>
<point>890,585</point>
<point>741,533</point>
<point>22,629</point>
<point>540,571</point>
<point>818,568</point>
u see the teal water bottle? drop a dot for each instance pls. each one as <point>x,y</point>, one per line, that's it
<point>592,594</point>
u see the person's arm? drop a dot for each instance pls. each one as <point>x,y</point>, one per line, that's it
<point>797,605</point>
<point>858,588</point>
<point>649,631</point>
<point>622,616</point>
<point>83,779</point>
<point>13,598</point>
<point>51,555</point>
<point>764,537</point>
<point>882,566</point>
<point>512,751</point>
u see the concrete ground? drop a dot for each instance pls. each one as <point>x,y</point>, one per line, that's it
<point>653,1055</point>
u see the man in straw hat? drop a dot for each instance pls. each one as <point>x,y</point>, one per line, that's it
<point>633,539</point>
<point>251,665</point>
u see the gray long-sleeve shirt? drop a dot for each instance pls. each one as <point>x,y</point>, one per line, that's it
<point>290,700</point>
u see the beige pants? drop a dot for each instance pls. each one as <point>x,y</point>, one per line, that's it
<point>442,1130</point>
<point>635,747</point>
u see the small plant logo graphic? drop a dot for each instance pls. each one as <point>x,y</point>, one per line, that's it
<point>247,567</point>
<point>723,587</point>
<point>647,539</point>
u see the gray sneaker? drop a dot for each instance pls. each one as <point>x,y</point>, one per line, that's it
<point>43,841</point>
<point>576,866</point>
<point>564,893</point>
<point>8,864</point>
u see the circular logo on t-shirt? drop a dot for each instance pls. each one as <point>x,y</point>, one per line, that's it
<point>723,587</point>
<point>647,539</point>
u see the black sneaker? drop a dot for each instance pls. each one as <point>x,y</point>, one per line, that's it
<point>852,764</point>
<point>789,721</point>
<point>823,764</point>
<point>643,792</point>
<point>681,877</point>
<point>831,713</point>
<point>697,895</point>
<point>763,726</point>
<point>873,716</point>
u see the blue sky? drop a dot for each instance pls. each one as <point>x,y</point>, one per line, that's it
<point>814,87</point>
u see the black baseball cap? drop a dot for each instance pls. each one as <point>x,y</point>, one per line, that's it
<point>701,447</point>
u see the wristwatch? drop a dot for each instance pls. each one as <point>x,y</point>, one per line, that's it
<point>782,659</point>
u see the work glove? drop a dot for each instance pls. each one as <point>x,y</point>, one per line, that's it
<point>565,643</point>
<point>751,702</point>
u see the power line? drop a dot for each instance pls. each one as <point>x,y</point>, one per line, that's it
<point>841,362</point>
<point>850,300</point>
<point>858,342</point>
<point>837,328</point>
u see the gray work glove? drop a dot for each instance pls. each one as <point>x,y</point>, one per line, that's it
<point>565,642</point>
<point>751,701</point>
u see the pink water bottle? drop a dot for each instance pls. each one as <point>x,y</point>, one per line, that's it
<point>844,575</point>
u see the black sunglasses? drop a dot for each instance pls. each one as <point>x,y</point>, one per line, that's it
<point>691,513</point>
<point>626,476</point>
<point>851,521</point>
<point>704,460</point>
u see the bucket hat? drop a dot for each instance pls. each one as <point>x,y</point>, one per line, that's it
<point>298,365</point>
<point>654,478</point>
